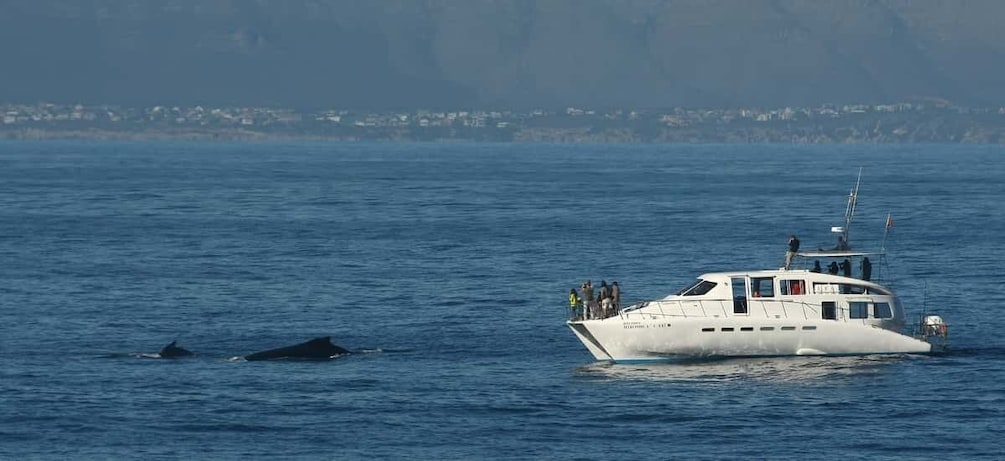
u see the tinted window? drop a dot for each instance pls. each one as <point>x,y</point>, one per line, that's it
<point>791,287</point>
<point>857,310</point>
<point>698,289</point>
<point>880,291</point>
<point>689,287</point>
<point>762,287</point>
<point>882,311</point>
<point>828,310</point>
<point>853,289</point>
<point>739,295</point>
<point>739,287</point>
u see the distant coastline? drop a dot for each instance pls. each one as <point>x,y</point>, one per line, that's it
<point>883,123</point>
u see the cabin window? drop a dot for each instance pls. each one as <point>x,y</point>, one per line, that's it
<point>762,287</point>
<point>792,287</point>
<point>824,288</point>
<point>853,289</point>
<point>828,310</point>
<point>698,288</point>
<point>876,291</point>
<point>882,311</point>
<point>858,310</point>
<point>739,295</point>
<point>862,289</point>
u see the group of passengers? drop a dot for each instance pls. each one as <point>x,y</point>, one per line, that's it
<point>606,304</point>
<point>844,268</point>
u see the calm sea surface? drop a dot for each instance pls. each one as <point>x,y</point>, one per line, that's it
<point>447,267</point>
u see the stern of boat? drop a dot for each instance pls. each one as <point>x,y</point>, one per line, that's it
<point>934,330</point>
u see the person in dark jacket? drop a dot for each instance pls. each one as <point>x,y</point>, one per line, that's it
<point>866,269</point>
<point>616,295</point>
<point>846,267</point>
<point>833,268</point>
<point>793,248</point>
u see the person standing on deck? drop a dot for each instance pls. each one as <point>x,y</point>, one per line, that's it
<point>793,248</point>
<point>866,269</point>
<point>588,300</point>
<point>616,295</point>
<point>574,304</point>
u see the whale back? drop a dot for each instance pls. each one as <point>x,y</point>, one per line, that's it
<point>315,349</point>
<point>174,350</point>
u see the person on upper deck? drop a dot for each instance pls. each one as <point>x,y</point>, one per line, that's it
<point>842,244</point>
<point>833,268</point>
<point>846,267</point>
<point>866,269</point>
<point>793,248</point>
<point>816,267</point>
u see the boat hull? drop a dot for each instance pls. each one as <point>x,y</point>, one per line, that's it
<point>619,340</point>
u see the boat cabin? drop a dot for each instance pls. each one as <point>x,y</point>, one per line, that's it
<point>777,294</point>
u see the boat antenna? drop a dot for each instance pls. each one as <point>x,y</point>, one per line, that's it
<point>849,212</point>
<point>886,234</point>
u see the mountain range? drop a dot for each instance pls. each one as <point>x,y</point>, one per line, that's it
<point>506,54</point>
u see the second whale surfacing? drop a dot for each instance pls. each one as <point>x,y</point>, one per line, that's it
<point>315,349</point>
<point>173,350</point>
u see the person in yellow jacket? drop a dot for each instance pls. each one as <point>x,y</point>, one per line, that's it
<point>574,304</point>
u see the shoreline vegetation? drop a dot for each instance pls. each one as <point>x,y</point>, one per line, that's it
<point>924,122</point>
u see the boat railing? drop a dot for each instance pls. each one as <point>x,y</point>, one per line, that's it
<point>699,308</point>
<point>722,308</point>
<point>774,308</point>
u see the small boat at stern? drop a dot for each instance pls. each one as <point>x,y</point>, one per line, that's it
<point>774,312</point>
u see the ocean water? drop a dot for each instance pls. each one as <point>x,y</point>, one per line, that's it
<point>446,268</point>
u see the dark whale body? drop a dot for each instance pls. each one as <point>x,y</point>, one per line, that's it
<point>315,349</point>
<point>173,351</point>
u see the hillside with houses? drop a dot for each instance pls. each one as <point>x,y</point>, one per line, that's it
<point>910,122</point>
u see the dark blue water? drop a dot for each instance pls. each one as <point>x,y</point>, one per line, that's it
<point>447,267</point>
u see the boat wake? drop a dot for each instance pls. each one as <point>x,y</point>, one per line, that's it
<point>996,352</point>
<point>719,370</point>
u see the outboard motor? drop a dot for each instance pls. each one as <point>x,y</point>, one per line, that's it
<point>935,330</point>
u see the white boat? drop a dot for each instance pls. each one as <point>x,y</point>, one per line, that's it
<point>775,312</point>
